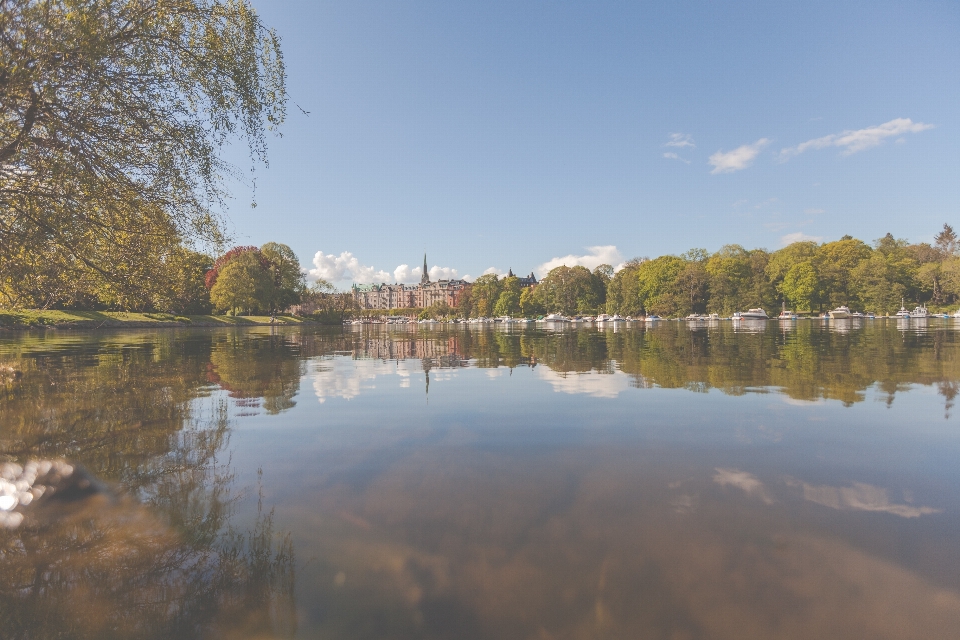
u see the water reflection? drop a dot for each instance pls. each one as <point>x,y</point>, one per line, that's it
<point>667,481</point>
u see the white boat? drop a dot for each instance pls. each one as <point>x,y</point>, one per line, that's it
<point>695,317</point>
<point>857,314</point>
<point>652,318</point>
<point>903,313</point>
<point>787,315</point>
<point>713,316</point>
<point>751,314</point>
<point>840,313</point>
<point>616,318</point>
<point>956,314</point>
<point>604,318</point>
<point>555,317</point>
<point>920,312</point>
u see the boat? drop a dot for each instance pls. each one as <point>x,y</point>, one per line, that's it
<point>695,317</point>
<point>616,318</point>
<point>713,316</point>
<point>652,318</point>
<point>956,314</point>
<point>751,314</point>
<point>857,314</point>
<point>787,315</point>
<point>920,312</point>
<point>903,313</point>
<point>555,317</point>
<point>604,318</point>
<point>840,313</point>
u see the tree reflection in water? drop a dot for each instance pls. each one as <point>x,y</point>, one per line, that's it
<point>158,558</point>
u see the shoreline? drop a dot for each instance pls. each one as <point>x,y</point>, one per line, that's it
<point>30,320</point>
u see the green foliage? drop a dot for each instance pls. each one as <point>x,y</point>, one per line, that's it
<point>571,290</point>
<point>112,117</point>
<point>243,286</point>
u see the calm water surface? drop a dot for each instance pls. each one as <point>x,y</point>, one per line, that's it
<point>774,481</point>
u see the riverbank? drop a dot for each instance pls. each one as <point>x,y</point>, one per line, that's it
<point>55,319</point>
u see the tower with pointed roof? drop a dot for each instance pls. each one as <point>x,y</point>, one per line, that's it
<point>425,275</point>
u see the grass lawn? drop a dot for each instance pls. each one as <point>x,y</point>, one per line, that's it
<point>88,319</point>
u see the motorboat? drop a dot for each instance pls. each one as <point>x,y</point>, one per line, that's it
<point>652,318</point>
<point>840,313</point>
<point>920,312</point>
<point>604,318</point>
<point>903,313</point>
<point>713,317</point>
<point>787,315</point>
<point>695,317</point>
<point>858,315</point>
<point>751,314</point>
<point>616,318</point>
<point>555,317</point>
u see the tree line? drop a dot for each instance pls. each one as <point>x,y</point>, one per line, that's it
<point>805,276</point>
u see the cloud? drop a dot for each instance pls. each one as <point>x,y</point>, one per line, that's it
<point>744,481</point>
<point>852,141</point>
<point>739,158</point>
<point>593,384</point>
<point>681,140</point>
<point>344,267</point>
<point>672,156</point>
<point>606,254</point>
<point>814,211</point>
<point>862,497</point>
<point>799,236</point>
<point>493,270</point>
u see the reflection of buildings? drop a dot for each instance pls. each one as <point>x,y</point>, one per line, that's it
<point>444,352</point>
<point>401,296</point>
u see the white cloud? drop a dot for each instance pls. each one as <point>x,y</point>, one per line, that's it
<point>739,158</point>
<point>680,140</point>
<point>862,497</point>
<point>799,236</point>
<point>852,141</point>
<point>405,274</point>
<point>345,267</point>
<point>494,270</point>
<point>670,155</point>
<point>606,254</point>
<point>814,211</point>
<point>746,482</point>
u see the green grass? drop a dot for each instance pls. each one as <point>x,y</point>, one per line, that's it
<point>94,319</point>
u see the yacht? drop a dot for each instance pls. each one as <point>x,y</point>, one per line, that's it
<point>903,313</point>
<point>920,312</point>
<point>713,317</point>
<point>604,318</point>
<point>787,315</point>
<point>652,318</point>
<point>751,314</point>
<point>616,318</point>
<point>555,317</point>
<point>695,317</point>
<point>840,313</point>
<point>857,314</point>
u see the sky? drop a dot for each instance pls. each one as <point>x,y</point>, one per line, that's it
<point>496,135</point>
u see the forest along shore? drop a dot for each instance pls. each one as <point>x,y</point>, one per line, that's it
<point>55,319</point>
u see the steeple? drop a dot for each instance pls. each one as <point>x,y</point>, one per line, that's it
<point>425,275</point>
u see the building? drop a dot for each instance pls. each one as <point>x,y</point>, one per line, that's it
<point>405,296</point>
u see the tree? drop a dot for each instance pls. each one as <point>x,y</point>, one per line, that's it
<point>623,290</point>
<point>243,285</point>
<point>800,285</point>
<point>946,241</point>
<point>659,291</point>
<point>835,263</point>
<point>112,116</point>
<point>484,295</point>
<point>287,274</point>
<point>508,302</point>
<point>731,277</point>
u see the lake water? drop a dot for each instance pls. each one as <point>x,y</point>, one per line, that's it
<point>796,480</point>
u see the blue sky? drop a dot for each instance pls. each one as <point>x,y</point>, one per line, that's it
<point>508,134</point>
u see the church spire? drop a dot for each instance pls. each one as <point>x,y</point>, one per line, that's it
<point>425,275</point>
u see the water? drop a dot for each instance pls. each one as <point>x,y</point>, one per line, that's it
<point>775,480</point>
